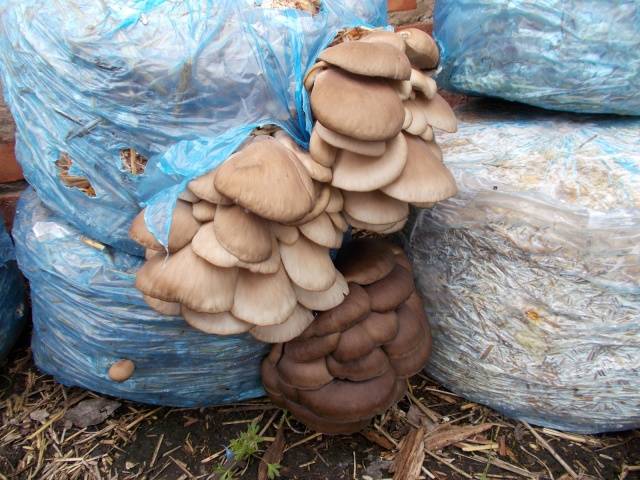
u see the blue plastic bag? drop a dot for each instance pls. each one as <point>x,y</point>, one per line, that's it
<point>183,83</point>
<point>87,315</point>
<point>571,55</point>
<point>531,274</point>
<point>12,306</point>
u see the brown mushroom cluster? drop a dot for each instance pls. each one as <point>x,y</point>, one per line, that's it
<point>352,363</point>
<point>249,245</point>
<point>375,112</point>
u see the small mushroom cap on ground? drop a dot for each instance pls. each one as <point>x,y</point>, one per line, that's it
<point>304,375</point>
<point>339,221</point>
<point>355,402</point>
<point>337,140</point>
<point>423,83</point>
<point>388,293</point>
<point>215,323</point>
<point>326,300</point>
<point>357,173</point>
<point>424,178</point>
<point>285,233</point>
<point>204,187</point>
<point>315,170</point>
<point>204,211</point>
<point>336,201</point>
<point>383,36</point>
<point>308,265</point>
<point>267,179</point>
<point>321,231</point>
<point>352,310</point>
<point>439,113</point>
<point>270,265</point>
<point>171,309</point>
<point>308,349</point>
<point>299,320</point>
<point>183,228</point>
<point>374,207</point>
<point>365,262</point>
<point>263,299</point>
<point>372,365</point>
<point>206,245</point>
<point>243,234</point>
<point>420,48</point>
<point>188,196</point>
<point>359,107</point>
<point>186,278</point>
<point>122,370</point>
<point>371,59</point>
<point>321,151</point>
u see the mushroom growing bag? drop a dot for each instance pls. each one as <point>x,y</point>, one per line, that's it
<point>88,315</point>
<point>12,305</point>
<point>180,83</point>
<point>531,275</point>
<point>571,55</point>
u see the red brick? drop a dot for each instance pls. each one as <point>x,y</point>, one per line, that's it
<point>9,195</point>
<point>402,5</point>
<point>10,171</point>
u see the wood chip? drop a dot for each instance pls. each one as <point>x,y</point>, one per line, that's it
<point>441,438</point>
<point>273,455</point>
<point>408,462</point>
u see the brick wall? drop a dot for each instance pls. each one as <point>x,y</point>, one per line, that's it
<point>410,11</point>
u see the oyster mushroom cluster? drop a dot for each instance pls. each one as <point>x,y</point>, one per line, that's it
<point>351,364</point>
<point>249,245</point>
<point>376,111</point>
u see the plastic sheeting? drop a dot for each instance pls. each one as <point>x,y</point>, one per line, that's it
<point>12,307</point>
<point>571,55</point>
<point>181,82</point>
<point>531,275</point>
<point>87,314</point>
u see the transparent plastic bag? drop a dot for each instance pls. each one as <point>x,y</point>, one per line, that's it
<point>87,315</point>
<point>182,83</point>
<point>531,275</point>
<point>571,55</point>
<point>12,306</point>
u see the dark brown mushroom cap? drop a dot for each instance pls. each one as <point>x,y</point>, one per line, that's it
<point>354,309</point>
<point>410,332</point>
<point>304,375</point>
<point>309,349</point>
<point>381,327</point>
<point>183,228</point>
<point>391,291</point>
<point>372,365</point>
<point>371,59</point>
<point>321,424</point>
<point>412,361</point>
<point>351,401</point>
<point>365,261</point>
<point>359,107</point>
<point>354,343</point>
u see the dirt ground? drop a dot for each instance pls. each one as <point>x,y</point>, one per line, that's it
<point>440,434</point>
